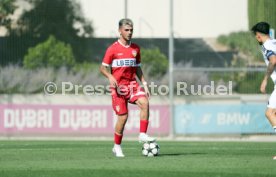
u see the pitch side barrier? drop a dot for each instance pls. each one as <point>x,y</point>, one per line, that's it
<point>82,116</point>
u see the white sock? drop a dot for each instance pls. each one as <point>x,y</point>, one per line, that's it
<point>141,134</point>
<point>117,146</point>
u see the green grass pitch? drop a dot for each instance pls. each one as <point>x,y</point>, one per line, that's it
<point>94,159</point>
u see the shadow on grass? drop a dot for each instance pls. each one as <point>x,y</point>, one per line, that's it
<point>180,154</point>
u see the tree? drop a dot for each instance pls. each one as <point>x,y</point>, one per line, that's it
<point>262,10</point>
<point>7,7</point>
<point>60,18</point>
<point>51,53</point>
<point>154,61</point>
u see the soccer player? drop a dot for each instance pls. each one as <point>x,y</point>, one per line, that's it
<point>261,31</point>
<point>123,57</point>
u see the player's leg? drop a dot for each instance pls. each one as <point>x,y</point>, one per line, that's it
<point>143,104</point>
<point>271,110</point>
<point>271,116</point>
<point>138,97</point>
<point>118,135</point>
<point>120,107</point>
<point>119,128</point>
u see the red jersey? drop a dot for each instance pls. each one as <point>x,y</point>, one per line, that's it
<point>123,61</point>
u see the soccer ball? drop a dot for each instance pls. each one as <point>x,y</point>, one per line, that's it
<point>150,149</point>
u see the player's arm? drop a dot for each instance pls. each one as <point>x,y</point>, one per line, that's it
<point>106,72</point>
<point>139,72</point>
<point>140,76</point>
<point>105,67</point>
<point>270,68</point>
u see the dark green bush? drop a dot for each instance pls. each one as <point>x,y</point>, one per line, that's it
<point>251,82</point>
<point>262,10</point>
<point>244,42</point>
<point>51,53</point>
<point>154,61</point>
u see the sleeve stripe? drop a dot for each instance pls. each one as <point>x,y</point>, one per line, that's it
<point>105,64</point>
<point>269,54</point>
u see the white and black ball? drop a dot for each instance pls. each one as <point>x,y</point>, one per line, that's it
<point>150,149</point>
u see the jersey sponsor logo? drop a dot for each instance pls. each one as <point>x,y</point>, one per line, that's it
<point>129,62</point>
<point>134,53</point>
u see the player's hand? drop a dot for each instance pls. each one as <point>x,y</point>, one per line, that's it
<point>113,82</point>
<point>263,86</point>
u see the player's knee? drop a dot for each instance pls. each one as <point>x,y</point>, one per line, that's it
<point>123,117</point>
<point>144,104</point>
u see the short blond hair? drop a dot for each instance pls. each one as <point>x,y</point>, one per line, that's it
<point>125,21</point>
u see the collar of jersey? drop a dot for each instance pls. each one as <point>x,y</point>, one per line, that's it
<point>126,46</point>
<point>269,39</point>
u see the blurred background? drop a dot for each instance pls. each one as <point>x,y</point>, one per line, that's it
<point>197,42</point>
